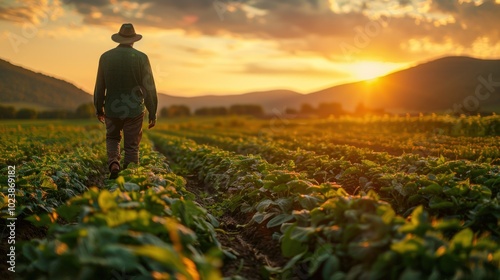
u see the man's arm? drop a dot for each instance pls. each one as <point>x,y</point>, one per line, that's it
<point>150,97</point>
<point>99,92</point>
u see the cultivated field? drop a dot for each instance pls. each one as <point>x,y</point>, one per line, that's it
<point>243,198</point>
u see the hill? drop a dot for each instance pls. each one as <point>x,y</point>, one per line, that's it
<point>268,99</point>
<point>429,87</point>
<point>435,86</point>
<point>25,88</point>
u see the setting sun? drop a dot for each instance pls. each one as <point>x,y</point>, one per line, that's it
<point>370,70</point>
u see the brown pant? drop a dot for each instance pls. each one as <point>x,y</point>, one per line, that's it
<point>132,132</point>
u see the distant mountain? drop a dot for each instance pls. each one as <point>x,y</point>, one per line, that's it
<point>268,99</point>
<point>22,86</point>
<point>429,87</point>
<point>436,86</point>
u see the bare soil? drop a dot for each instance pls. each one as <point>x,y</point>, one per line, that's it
<point>252,244</point>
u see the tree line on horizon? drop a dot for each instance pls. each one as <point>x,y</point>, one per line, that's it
<point>238,109</point>
<point>323,110</point>
<point>84,111</point>
<point>87,111</point>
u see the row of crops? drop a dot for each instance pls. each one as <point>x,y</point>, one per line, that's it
<point>347,230</point>
<point>145,224</point>
<point>405,181</point>
<point>384,198</point>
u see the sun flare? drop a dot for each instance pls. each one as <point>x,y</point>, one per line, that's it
<point>371,70</point>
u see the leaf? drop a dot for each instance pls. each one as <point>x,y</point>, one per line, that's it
<point>308,202</point>
<point>331,265</point>
<point>285,204</point>
<point>484,191</point>
<point>291,247</point>
<point>262,206</point>
<point>448,224</point>
<point>431,189</point>
<point>278,220</point>
<point>106,201</point>
<point>302,233</point>
<point>42,219</point>
<point>387,213</point>
<point>48,183</point>
<point>369,163</point>
<point>438,203</point>
<point>322,254</point>
<point>293,261</point>
<point>418,216</point>
<point>462,240</point>
<point>245,208</point>
<point>131,187</point>
<point>407,247</point>
<point>166,256</point>
<point>213,221</point>
<point>399,187</point>
<point>120,181</point>
<point>298,185</point>
<point>260,217</point>
<point>280,188</point>
<point>68,212</point>
<point>303,216</point>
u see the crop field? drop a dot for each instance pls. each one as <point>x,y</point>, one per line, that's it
<point>244,198</point>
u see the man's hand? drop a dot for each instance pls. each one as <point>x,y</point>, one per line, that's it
<point>152,123</point>
<point>101,118</point>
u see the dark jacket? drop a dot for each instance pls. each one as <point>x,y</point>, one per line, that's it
<point>125,84</point>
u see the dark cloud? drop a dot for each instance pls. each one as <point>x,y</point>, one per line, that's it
<point>90,2</point>
<point>277,4</point>
<point>405,2</point>
<point>445,5</point>
<point>300,26</point>
<point>471,21</point>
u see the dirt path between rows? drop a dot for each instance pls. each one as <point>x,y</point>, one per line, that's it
<point>253,244</point>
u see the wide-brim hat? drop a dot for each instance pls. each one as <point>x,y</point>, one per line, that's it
<point>126,35</point>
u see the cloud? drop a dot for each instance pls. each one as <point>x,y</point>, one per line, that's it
<point>316,27</point>
<point>197,52</point>
<point>30,11</point>
<point>258,69</point>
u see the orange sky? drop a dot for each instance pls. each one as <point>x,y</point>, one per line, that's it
<point>220,47</point>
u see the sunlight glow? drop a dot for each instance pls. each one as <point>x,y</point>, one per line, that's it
<point>370,70</point>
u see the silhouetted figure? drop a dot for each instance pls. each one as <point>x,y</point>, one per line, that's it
<point>124,88</point>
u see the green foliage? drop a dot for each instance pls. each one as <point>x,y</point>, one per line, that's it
<point>144,224</point>
<point>338,211</point>
<point>246,109</point>
<point>26,113</point>
<point>85,111</point>
<point>52,166</point>
<point>175,111</point>
<point>451,224</point>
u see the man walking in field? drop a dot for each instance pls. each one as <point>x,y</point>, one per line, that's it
<point>124,88</point>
